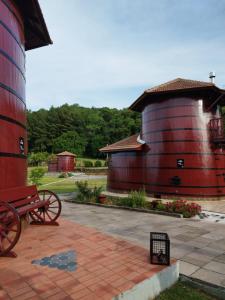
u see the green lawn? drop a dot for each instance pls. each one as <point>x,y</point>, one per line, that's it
<point>66,185</point>
<point>182,291</point>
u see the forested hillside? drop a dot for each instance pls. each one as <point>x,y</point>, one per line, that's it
<point>79,129</point>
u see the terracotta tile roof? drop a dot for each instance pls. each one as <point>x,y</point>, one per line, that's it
<point>178,84</point>
<point>127,144</point>
<point>65,153</point>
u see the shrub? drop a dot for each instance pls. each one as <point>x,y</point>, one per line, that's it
<point>87,194</point>
<point>63,175</point>
<point>98,164</point>
<point>36,175</point>
<point>70,174</point>
<point>88,164</point>
<point>36,159</point>
<point>183,207</point>
<point>154,204</point>
<point>135,199</point>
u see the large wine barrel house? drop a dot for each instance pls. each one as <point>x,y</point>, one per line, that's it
<point>181,147</point>
<point>22,27</point>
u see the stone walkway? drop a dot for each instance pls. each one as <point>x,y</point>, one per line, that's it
<point>200,246</point>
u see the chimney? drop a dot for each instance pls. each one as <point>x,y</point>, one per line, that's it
<point>212,76</point>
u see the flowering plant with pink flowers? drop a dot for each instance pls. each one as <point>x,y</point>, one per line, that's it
<point>183,207</point>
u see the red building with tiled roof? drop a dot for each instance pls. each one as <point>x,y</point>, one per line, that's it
<point>180,150</point>
<point>65,162</point>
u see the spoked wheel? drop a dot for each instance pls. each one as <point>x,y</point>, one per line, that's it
<point>49,212</point>
<point>10,228</point>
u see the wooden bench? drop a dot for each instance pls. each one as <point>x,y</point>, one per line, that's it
<point>41,207</point>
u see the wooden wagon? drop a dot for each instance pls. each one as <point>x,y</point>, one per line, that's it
<point>41,207</point>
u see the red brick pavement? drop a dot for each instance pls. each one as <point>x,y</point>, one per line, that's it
<point>107,265</point>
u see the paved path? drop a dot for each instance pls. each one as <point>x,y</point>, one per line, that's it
<point>199,245</point>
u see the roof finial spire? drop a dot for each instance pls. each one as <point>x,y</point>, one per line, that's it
<point>212,76</point>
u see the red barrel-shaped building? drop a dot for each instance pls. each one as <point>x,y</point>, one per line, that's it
<point>22,27</point>
<point>66,162</point>
<point>182,143</point>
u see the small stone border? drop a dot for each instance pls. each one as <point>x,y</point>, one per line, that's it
<point>209,288</point>
<point>143,210</point>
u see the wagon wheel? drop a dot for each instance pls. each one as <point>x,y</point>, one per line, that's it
<point>10,228</point>
<point>48,213</point>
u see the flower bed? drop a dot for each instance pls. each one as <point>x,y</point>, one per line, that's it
<point>183,207</point>
<point>136,200</point>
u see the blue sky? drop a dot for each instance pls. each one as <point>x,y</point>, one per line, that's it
<point>106,52</point>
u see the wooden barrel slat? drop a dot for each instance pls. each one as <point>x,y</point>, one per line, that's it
<point>13,165</point>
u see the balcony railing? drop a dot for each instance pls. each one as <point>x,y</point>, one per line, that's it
<point>216,128</point>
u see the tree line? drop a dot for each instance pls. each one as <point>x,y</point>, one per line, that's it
<point>80,130</point>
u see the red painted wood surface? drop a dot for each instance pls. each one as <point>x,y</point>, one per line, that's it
<point>173,129</point>
<point>53,166</point>
<point>12,94</point>
<point>125,171</point>
<point>66,163</point>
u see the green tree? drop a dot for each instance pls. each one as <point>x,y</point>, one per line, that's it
<point>69,141</point>
<point>92,128</point>
<point>36,175</point>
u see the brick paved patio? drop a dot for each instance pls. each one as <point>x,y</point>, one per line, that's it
<point>107,266</point>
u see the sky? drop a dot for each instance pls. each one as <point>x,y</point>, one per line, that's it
<point>107,52</point>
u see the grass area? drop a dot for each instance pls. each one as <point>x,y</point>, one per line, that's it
<point>185,292</point>
<point>66,185</point>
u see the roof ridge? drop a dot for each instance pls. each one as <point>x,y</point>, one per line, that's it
<point>205,83</point>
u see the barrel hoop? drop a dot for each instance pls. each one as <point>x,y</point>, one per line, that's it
<point>10,90</point>
<point>167,185</point>
<point>6,3</point>
<point>13,35</point>
<point>167,168</point>
<point>122,154</point>
<point>184,153</point>
<point>10,120</point>
<point>170,106</point>
<point>176,129</point>
<point>177,141</point>
<point>14,155</point>
<point>12,61</point>
<point>173,117</point>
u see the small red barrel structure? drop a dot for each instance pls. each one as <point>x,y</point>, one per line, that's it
<point>125,165</point>
<point>22,27</point>
<point>53,165</point>
<point>184,149</point>
<point>65,162</point>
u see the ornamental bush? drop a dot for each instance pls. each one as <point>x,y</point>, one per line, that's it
<point>98,164</point>
<point>88,164</point>
<point>183,207</point>
<point>135,199</point>
<point>36,175</point>
<point>87,194</point>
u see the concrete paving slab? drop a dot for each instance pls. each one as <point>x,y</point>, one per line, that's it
<point>194,261</point>
<point>187,268</point>
<point>209,276</point>
<point>216,267</point>
<point>220,258</point>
